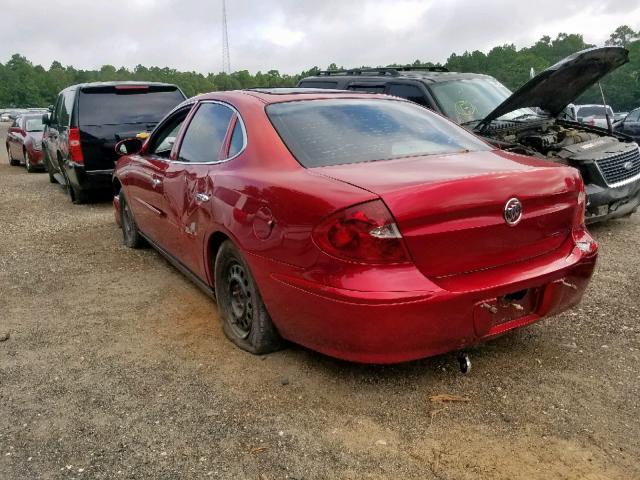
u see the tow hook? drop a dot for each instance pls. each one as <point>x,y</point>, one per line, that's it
<point>464,361</point>
<point>493,310</point>
<point>563,282</point>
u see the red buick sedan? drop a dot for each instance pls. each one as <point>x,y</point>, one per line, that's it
<point>24,142</point>
<point>362,226</point>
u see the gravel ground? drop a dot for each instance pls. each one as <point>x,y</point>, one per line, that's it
<point>116,367</point>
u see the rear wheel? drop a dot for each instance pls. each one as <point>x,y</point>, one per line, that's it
<point>245,319</point>
<point>13,162</point>
<point>27,161</point>
<point>130,235</point>
<point>49,167</point>
<point>77,196</point>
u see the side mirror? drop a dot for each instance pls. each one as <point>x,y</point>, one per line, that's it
<point>50,108</point>
<point>128,146</point>
<point>46,119</point>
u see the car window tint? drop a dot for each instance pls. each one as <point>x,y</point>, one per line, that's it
<point>205,134</point>
<point>633,116</point>
<point>237,140</point>
<point>331,132</point>
<point>112,106</point>
<point>317,84</point>
<point>66,106</point>
<point>410,92</point>
<point>367,88</point>
<point>56,111</point>
<point>163,140</point>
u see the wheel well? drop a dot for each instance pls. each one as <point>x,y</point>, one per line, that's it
<point>214,245</point>
<point>117,186</point>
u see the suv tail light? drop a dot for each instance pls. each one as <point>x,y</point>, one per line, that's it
<point>75,147</point>
<point>364,233</point>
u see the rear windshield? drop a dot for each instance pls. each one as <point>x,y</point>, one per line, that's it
<point>597,111</point>
<point>116,107</point>
<point>34,124</point>
<point>339,131</point>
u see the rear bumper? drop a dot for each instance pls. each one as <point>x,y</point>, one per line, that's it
<point>36,157</point>
<point>89,180</point>
<point>397,326</point>
<point>605,203</point>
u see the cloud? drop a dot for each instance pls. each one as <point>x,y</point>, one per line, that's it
<point>289,35</point>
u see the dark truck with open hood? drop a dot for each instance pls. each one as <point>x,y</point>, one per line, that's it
<point>529,121</point>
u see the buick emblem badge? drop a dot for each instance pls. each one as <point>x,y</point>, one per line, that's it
<point>628,165</point>
<point>512,211</point>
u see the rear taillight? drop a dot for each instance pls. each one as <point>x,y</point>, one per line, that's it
<point>585,242</point>
<point>581,237</point>
<point>364,233</point>
<point>75,147</point>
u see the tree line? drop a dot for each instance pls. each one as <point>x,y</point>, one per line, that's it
<point>23,84</point>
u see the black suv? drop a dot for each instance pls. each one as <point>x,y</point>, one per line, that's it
<point>87,121</point>
<point>530,121</point>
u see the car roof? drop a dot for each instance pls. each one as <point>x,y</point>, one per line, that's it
<point>116,83</point>
<point>390,74</point>
<point>285,94</point>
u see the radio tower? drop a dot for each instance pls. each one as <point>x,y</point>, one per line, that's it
<point>226,59</point>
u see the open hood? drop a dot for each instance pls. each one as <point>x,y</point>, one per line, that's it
<point>559,85</point>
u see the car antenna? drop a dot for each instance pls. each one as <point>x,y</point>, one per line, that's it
<point>606,110</point>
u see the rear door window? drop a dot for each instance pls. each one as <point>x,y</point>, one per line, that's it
<point>237,140</point>
<point>317,84</point>
<point>126,104</point>
<point>410,92</point>
<point>633,116</point>
<point>66,107</point>
<point>367,88</point>
<point>204,138</point>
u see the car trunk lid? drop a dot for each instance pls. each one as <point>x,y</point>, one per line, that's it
<point>450,209</point>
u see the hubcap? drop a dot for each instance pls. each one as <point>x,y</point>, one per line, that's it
<point>240,300</point>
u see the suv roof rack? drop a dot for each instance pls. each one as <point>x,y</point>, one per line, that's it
<point>391,71</point>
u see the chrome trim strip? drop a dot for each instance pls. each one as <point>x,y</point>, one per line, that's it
<point>244,137</point>
<point>617,184</point>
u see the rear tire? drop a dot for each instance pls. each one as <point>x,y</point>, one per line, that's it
<point>13,162</point>
<point>49,167</point>
<point>245,319</point>
<point>27,162</point>
<point>77,196</point>
<point>130,234</point>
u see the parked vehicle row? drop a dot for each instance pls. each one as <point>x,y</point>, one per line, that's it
<point>24,142</point>
<point>608,161</point>
<point>89,119</point>
<point>357,222</point>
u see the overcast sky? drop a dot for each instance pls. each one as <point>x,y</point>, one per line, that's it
<point>289,35</point>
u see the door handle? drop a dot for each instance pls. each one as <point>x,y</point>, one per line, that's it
<point>202,197</point>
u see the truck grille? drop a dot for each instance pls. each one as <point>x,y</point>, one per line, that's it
<point>621,167</point>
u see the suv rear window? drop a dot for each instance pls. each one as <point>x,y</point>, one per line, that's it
<point>126,105</point>
<point>338,131</point>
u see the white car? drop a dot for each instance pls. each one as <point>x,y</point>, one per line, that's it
<point>593,114</point>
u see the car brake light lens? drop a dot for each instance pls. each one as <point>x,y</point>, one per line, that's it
<point>75,147</point>
<point>364,233</point>
<point>585,242</point>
